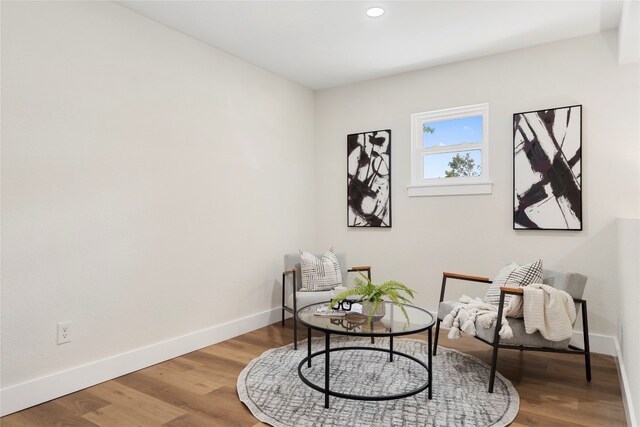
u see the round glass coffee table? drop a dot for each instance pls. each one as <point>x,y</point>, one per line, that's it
<point>393,324</point>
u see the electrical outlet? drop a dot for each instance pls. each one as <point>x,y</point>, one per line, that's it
<point>64,332</point>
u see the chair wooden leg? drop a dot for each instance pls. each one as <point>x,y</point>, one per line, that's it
<point>435,343</point>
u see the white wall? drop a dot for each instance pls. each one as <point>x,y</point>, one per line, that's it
<point>150,184</point>
<point>146,177</point>
<point>628,290</point>
<point>473,234</point>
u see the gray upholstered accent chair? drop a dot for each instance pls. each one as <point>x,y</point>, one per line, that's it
<point>293,299</point>
<point>572,283</point>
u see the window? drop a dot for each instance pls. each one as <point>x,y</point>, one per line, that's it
<point>450,152</point>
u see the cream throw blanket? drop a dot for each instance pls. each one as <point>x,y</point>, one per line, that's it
<point>548,310</point>
<point>463,318</point>
<point>545,308</point>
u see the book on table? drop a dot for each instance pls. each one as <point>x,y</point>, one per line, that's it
<point>324,311</point>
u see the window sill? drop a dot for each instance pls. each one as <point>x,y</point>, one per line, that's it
<point>450,189</point>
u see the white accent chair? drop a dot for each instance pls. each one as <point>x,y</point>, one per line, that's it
<point>572,283</point>
<point>293,299</point>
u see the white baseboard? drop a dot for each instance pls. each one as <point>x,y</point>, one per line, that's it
<point>627,398</point>
<point>20,396</point>
<point>603,344</point>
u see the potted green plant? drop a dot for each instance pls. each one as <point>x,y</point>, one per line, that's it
<point>373,296</point>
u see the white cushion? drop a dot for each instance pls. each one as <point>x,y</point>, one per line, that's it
<point>307,298</point>
<point>493,293</point>
<point>319,273</point>
<point>513,276</point>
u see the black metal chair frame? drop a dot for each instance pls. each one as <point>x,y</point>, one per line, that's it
<point>293,310</point>
<point>496,338</point>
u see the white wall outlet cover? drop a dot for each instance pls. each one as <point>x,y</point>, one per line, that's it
<point>64,332</point>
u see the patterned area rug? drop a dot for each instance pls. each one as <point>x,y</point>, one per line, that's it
<point>275,394</point>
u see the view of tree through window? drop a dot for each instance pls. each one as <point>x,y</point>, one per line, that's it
<point>450,152</point>
<point>452,148</point>
<point>462,166</point>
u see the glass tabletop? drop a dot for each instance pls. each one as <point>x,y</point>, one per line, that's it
<point>392,324</point>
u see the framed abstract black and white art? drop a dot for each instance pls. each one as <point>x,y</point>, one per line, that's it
<point>369,179</point>
<point>547,169</point>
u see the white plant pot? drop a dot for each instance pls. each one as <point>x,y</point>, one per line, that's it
<point>378,314</point>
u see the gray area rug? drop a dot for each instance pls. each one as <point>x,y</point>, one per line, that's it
<point>272,390</point>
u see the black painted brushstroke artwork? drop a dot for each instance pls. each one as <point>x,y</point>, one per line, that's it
<point>369,179</point>
<point>547,169</point>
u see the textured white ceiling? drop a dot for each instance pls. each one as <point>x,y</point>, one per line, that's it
<point>322,44</point>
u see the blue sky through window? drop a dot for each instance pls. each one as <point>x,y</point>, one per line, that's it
<point>453,132</point>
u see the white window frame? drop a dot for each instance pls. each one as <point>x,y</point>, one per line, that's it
<point>452,185</point>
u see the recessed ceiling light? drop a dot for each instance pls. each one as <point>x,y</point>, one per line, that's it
<point>374,12</point>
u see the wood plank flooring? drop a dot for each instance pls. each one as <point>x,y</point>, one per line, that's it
<point>199,389</point>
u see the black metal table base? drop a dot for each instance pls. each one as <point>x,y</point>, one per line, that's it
<point>327,352</point>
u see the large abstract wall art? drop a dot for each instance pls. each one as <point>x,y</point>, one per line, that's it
<point>369,179</point>
<point>547,169</point>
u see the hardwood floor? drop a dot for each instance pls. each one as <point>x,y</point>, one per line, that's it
<point>199,389</point>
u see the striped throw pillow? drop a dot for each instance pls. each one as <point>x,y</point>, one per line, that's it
<point>513,276</point>
<point>319,273</point>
